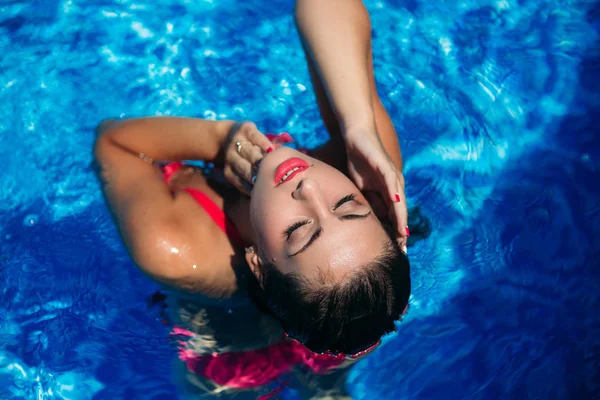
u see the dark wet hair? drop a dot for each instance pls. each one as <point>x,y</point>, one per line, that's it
<point>347,316</point>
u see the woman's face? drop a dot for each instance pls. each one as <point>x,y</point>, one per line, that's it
<point>308,216</point>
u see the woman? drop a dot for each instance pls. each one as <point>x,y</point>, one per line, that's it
<point>328,270</point>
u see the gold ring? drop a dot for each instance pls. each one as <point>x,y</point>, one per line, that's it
<point>238,146</point>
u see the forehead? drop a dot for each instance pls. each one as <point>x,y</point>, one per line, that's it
<point>344,246</point>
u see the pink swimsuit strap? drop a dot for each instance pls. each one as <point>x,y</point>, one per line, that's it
<point>213,210</point>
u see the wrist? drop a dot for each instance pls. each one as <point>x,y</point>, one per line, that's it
<point>359,128</point>
<point>224,129</point>
<point>359,120</point>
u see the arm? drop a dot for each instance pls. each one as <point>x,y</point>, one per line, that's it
<point>336,35</point>
<point>155,224</point>
<point>170,139</point>
<point>337,40</point>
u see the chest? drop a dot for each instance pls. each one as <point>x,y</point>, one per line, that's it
<point>235,205</point>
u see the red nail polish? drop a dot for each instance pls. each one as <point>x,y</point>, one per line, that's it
<point>407,232</point>
<point>269,149</point>
<point>397,198</point>
<point>285,137</point>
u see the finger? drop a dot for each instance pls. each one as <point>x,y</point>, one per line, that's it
<point>239,183</point>
<point>395,191</point>
<point>393,185</point>
<point>356,177</point>
<point>257,138</point>
<point>398,214</point>
<point>250,153</point>
<point>377,204</point>
<point>242,169</point>
<point>245,187</point>
<point>400,211</point>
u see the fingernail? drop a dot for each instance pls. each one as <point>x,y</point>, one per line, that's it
<point>397,198</point>
<point>285,137</point>
<point>407,232</point>
<point>269,149</point>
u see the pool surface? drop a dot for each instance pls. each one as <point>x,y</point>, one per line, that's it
<point>498,107</point>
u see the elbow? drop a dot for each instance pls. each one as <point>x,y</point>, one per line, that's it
<point>105,126</point>
<point>100,146</point>
<point>156,253</point>
<point>172,273</point>
<point>102,140</point>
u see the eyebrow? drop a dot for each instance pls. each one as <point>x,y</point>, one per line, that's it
<point>319,232</point>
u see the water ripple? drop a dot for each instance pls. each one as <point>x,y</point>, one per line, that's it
<point>496,105</point>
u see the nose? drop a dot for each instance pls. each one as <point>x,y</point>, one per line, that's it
<point>308,190</point>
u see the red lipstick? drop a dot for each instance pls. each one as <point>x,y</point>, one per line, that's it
<point>288,169</point>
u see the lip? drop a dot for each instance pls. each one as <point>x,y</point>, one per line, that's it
<point>286,167</point>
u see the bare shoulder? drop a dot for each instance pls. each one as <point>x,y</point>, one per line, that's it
<point>188,251</point>
<point>169,236</point>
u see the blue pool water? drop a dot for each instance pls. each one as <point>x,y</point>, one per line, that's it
<point>497,104</point>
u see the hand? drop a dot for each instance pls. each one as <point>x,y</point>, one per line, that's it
<point>374,173</point>
<point>239,164</point>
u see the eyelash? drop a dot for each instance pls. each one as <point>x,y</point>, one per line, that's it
<point>344,200</point>
<point>296,225</point>
<point>293,227</point>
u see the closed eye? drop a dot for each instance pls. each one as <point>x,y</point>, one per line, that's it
<point>344,200</point>
<point>296,225</point>
<point>290,229</point>
<point>319,232</point>
<point>349,217</point>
